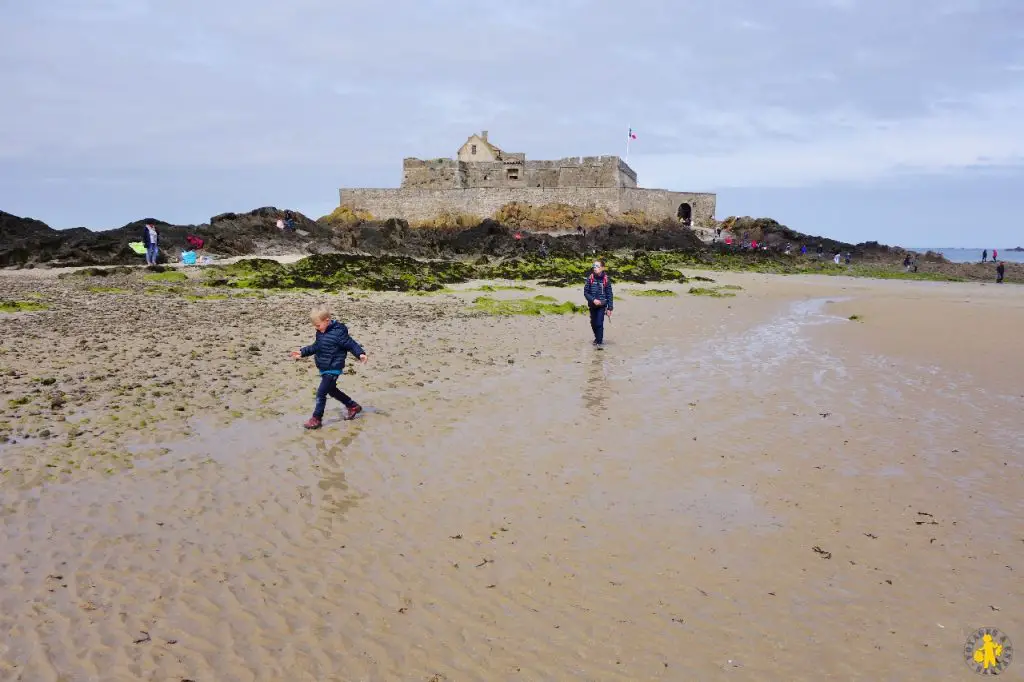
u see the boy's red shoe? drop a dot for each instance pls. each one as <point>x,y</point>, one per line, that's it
<point>351,412</point>
<point>313,423</point>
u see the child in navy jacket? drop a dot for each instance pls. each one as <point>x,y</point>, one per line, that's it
<point>329,350</point>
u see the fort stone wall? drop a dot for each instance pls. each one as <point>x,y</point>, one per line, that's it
<point>663,203</point>
<point>425,204</point>
<point>412,204</point>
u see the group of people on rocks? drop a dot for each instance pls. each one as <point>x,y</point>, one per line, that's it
<point>1000,267</point>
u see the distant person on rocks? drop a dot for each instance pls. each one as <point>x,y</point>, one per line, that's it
<point>821,250</point>
<point>984,256</point>
<point>803,249</point>
<point>280,223</point>
<point>543,250</point>
<point>835,258</point>
<point>847,257</point>
<point>906,262</point>
<point>598,292</point>
<point>151,240</point>
<point>289,223</point>
<point>995,255</point>
<point>1000,269</point>
<point>329,350</point>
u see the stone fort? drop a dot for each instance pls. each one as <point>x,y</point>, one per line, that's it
<point>483,178</point>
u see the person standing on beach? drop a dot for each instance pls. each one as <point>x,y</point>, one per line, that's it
<point>598,292</point>
<point>995,255</point>
<point>984,256</point>
<point>151,240</point>
<point>331,347</point>
<point>1000,269</point>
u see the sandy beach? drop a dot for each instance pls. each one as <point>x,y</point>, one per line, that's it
<point>754,487</point>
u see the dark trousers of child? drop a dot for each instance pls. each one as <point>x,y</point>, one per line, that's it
<point>597,322</point>
<point>329,387</point>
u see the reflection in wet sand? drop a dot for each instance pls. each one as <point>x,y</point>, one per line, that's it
<point>596,389</point>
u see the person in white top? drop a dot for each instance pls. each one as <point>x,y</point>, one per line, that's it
<point>151,240</point>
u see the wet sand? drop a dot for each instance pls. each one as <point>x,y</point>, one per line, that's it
<point>753,488</point>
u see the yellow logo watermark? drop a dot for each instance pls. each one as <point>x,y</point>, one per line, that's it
<point>988,651</point>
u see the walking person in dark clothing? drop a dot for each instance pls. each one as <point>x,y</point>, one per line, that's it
<point>600,298</point>
<point>1000,269</point>
<point>331,347</point>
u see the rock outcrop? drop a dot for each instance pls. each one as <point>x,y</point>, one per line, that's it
<point>27,242</point>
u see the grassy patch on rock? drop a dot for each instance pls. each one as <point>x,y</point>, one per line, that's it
<point>538,305</point>
<point>21,306</point>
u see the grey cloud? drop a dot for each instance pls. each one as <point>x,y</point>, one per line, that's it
<point>228,88</point>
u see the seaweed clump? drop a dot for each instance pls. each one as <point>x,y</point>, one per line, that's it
<point>651,292</point>
<point>334,271</point>
<point>538,305</point>
<point>639,268</point>
<point>21,306</point>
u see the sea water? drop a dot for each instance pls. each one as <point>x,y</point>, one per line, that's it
<point>974,255</point>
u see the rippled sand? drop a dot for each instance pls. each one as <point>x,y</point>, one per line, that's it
<point>753,488</point>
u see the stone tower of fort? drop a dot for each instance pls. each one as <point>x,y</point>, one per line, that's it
<point>483,178</point>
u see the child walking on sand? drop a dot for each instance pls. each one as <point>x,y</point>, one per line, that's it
<point>330,349</point>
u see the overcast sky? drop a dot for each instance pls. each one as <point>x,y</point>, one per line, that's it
<point>895,120</point>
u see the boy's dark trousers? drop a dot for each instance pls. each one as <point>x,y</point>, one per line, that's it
<point>329,387</point>
<point>597,322</point>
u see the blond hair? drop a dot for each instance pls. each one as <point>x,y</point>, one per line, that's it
<point>319,314</point>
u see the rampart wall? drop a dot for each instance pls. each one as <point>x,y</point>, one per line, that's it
<point>425,204</point>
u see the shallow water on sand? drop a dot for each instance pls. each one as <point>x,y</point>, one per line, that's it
<point>653,510</point>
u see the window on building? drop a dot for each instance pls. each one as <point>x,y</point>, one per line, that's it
<point>512,173</point>
<point>472,149</point>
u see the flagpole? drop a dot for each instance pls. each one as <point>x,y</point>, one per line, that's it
<point>629,137</point>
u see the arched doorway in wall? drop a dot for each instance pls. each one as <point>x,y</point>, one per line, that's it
<point>685,213</point>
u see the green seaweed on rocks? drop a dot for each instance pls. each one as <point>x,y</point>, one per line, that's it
<point>336,271</point>
<point>713,292</point>
<point>167,276</point>
<point>538,305</point>
<point>651,292</point>
<point>97,272</point>
<point>21,306</point>
<point>557,271</point>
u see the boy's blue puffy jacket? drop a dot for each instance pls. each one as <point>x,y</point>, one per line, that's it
<point>331,347</point>
<point>599,288</point>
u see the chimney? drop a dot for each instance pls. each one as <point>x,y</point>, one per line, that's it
<point>483,134</point>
